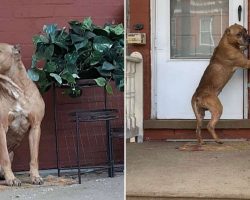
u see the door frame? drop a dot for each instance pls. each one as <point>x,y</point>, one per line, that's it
<point>154,61</point>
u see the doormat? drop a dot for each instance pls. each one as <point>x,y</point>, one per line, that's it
<point>48,181</point>
<point>212,146</point>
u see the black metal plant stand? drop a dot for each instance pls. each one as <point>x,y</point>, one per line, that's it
<point>79,116</point>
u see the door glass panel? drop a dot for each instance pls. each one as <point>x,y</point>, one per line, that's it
<point>197,26</point>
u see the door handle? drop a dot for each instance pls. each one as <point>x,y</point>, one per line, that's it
<point>239,12</point>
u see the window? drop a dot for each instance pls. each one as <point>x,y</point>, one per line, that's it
<point>206,37</point>
<point>196,27</point>
<point>173,33</point>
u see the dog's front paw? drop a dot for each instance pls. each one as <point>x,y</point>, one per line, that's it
<point>13,182</point>
<point>37,180</point>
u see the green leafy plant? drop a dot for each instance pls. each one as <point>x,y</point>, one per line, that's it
<point>82,51</point>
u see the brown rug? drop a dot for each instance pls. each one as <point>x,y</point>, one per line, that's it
<point>48,181</point>
<point>212,146</point>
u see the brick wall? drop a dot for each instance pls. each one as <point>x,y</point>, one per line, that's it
<point>142,16</point>
<point>93,135</point>
<point>20,20</point>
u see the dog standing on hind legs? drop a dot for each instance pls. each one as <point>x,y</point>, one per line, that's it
<point>22,111</point>
<point>227,57</point>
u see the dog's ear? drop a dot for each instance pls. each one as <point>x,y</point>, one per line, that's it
<point>17,47</point>
<point>227,31</point>
<point>16,52</point>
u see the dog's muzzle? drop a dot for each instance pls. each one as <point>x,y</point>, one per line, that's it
<point>248,39</point>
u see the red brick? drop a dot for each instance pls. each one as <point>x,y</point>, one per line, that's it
<point>72,11</point>
<point>37,11</point>
<point>158,134</point>
<point>237,134</point>
<point>143,17</point>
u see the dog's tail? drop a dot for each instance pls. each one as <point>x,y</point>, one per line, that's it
<point>8,88</point>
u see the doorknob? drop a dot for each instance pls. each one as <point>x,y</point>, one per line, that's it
<point>239,12</point>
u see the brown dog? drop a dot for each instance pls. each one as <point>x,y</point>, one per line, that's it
<point>227,57</point>
<point>22,111</point>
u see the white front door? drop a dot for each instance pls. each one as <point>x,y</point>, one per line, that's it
<point>186,33</point>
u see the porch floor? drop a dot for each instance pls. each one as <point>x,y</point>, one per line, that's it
<point>159,170</point>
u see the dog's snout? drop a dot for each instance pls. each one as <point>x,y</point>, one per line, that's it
<point>248,39</point>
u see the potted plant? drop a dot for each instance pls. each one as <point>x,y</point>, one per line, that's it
<point>82,51</point>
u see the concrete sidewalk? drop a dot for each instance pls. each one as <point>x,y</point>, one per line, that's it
<point>93,187</point>
<point>159,170</point>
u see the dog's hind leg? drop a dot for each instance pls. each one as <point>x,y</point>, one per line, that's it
<point>200,117</point>
<point>215,107</point>
<point>199,114</point>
